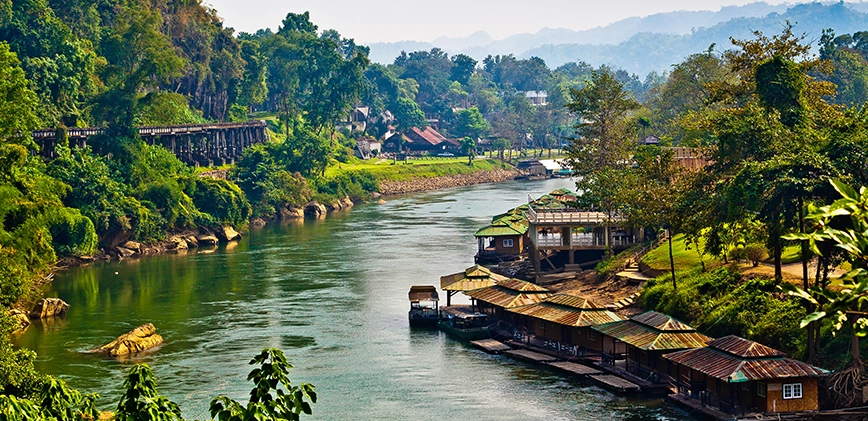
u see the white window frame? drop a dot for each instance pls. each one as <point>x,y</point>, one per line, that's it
<point>507,243</point>
<point>793,391</point>
<point>761,389</point>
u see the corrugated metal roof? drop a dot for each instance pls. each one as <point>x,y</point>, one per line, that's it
<point>649,338</point>
<point>505,297</point>
<point>474,277</point>
<point>423,293</point>
<point>522,286</point>
<point>662,322</point>
<point>734,369</point>
<point>574,302</point>
<point>744,348</point>
<point>505,225</point>
<point>568,311</point>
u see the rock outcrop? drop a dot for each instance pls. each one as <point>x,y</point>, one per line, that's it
<point>133,245</point>
<point>137,340</point>
<point>227,234</point>
<point>49,307</point>
<point>291,212</point>
<point>20,318</point>
<point>207,240</point>
<point>124,252</point>
<point>315,210</point>
<point>177,242</point>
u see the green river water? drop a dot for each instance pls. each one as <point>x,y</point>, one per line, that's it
<point>332,294</point>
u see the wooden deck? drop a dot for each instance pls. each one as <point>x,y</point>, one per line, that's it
<point>577,369</point>
<point>534,357</point>
<point>615,383</point>
<point>490,346</point>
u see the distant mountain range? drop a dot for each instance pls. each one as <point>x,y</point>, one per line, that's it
<point>651,43</point>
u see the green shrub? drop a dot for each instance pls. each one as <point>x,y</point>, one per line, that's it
<point>72,234</point>
<point>223,200</point>
<point>237,113</point>
<point>169,200</point>
<point>357,185</point>
<point>756,253</point>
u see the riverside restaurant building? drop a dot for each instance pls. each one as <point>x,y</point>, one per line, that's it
<point>739,376</point>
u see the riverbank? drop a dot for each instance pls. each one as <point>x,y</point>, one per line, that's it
<point>390,187</point>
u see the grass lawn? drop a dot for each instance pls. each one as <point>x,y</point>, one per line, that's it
<point>685,259</point>
<point>387,169</point>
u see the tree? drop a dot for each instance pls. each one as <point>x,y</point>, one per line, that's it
<point>603,134</point>
<point>845,306</point>
<point>468,147</point>
<point>471,123</point>
<point>17,101</point>
<point>273,396</point>
<point>139,57</point>
<point>462,68</point>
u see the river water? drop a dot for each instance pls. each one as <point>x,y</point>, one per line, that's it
<point>332,294</point>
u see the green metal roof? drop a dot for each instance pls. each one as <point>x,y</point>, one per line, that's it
<point>507,225</point>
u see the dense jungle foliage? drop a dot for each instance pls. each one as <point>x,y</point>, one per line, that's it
<point>775,120</point>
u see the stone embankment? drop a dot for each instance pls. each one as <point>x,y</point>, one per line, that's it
<point>425,184</point>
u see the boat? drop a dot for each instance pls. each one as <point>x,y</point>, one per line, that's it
<point>423,305</point>
<point>463,322</point>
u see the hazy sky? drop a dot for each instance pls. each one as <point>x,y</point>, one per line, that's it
<point>424,20</point>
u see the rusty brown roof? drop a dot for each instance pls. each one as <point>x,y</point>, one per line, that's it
<point>423,293</point>
<point>568,310</point>
<point>474,277</point>
<point>733,368</point>
<point>504,297</point>
<point>662,322</point>
<point>744,348</point>
<point>652,331</point>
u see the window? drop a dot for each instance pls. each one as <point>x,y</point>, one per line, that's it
<point>542,325</point>
<point>761,389</point>
<point>793,391</point>
<point>507,243</point>
<point>592,335</point>
<point>745,386</point>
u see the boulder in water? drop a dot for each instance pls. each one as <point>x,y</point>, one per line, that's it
<point>137,340</point>
<point>315,210</point>
<point>49,307</point>
<point>177,243</point>
<point>227,233</point>
<point>207,240</point>
<point>132,245</point>
<point>21,319</point>
<point>124,252</point>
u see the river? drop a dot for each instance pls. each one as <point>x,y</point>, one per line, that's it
<point>332,294</point>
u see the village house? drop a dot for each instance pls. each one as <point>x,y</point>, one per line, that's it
<point>565,319</point>
<point>503,239</point>
<point>474,277</point>
<point>737,376</point>
<point>537,98</point>
<point>418,141</point>
<point>503,295</point>
<point>645,338</point>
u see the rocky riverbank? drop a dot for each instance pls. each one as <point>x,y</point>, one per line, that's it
<point>443,182</point>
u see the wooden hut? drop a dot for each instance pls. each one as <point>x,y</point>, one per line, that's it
<point>647,336</point>
<point>494,300</point>
<point>474,277</point>
<point>505,238</point>
<point>565,319</point>
<point>737,375</point>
